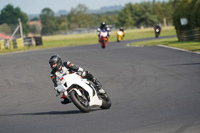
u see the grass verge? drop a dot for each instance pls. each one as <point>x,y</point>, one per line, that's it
<point>172,42</point>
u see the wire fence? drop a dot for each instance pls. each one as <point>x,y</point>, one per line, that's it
<point>9,30</point>
<point>189,35</point>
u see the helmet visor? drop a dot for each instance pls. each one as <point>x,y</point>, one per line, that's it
<point>53,65</point>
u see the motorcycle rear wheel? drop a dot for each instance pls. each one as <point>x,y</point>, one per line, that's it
<point>81,103</point>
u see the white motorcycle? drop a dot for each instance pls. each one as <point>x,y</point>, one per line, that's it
<point>82,93</point>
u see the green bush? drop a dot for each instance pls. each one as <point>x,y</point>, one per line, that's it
<point>189,9</point>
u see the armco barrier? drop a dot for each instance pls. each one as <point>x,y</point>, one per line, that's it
<point>28,41</point>
<point>32,41</point>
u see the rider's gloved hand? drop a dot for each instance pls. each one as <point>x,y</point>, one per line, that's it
<point>80,69</point>
<point>83,74</point>
<point>79,73</point>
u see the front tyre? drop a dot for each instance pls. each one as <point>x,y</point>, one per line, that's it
<point>106,102</point>
<point>103,47</point>
<point>80,102</point>
<point>103,44</point>
<point>157,34</point>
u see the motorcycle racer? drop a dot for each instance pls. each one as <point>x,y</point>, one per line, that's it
<point>122,29</point>
<point>157,30</point>
<point>59,68</point>
<point>103,27</point>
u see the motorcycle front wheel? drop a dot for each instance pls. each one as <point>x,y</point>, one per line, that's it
<point>106,101</point>
<point>103,44</point>
<point>80,102</point>
<point>119,39</point>
<point>157,34</point>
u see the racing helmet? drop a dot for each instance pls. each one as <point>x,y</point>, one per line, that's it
<point>121,28</point>
<point>103,24</point>
<point>55,59</point>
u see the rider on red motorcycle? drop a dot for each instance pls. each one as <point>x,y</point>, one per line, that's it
<point>103,27</point>
<point>56,65</point>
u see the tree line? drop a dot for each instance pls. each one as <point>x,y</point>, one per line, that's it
<point>144,14</point>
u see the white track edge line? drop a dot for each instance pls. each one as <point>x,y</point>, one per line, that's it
<point>178,49</point>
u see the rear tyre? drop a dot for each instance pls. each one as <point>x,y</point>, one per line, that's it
<point>80,102</point>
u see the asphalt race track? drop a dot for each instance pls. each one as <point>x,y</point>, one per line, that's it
<point>153,90</point>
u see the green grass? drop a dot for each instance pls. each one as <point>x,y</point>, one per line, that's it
<point>149,32</point>
<point>69,40</point>
<point>166,42</point>
<point>91,38</point>
<point>172,42</point>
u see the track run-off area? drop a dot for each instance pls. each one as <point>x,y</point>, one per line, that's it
<point>153,89</point>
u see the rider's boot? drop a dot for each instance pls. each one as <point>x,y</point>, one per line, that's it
<point>89,76</point>
<point>98,86</point>
<point>64,99</point>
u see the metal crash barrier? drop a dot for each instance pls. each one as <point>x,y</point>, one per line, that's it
<point>33,41</point>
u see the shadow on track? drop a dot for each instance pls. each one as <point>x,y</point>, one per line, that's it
<point>47,113</point>
<point>185,64</point>
<point>51,113</point>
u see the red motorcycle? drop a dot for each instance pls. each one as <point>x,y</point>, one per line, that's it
<point>103,39</point>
